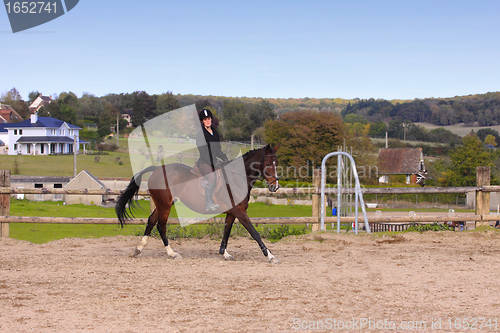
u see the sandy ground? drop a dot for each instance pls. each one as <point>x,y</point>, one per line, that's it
<point>403,283</point>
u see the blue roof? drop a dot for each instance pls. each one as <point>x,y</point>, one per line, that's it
<point>35,139</point>
<point>48,122</point>
<point>3,128</point>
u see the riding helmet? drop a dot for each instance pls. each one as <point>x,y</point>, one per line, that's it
<point>205,113</point>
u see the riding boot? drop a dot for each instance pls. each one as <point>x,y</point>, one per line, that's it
<point>209,193</point>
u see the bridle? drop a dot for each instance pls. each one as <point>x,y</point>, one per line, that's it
<point>276,178</point>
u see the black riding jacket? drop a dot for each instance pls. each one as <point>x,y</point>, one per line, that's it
<point>209,147</point>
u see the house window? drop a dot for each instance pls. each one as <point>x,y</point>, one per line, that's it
<point>38,197</point>
<point>62,132</point>
<point>15,146</point>
<point>20,132</point>
<point>58,197</point>
<point>28,149</point>
<point>15,132</point>
<point>41,148</point>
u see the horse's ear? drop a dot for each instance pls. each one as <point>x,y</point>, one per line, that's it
<point>275,149</point>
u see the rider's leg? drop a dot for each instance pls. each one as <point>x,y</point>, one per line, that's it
<point>208,173</point>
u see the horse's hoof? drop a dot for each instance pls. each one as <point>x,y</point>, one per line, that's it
<point>135,253</point>
<point>274,260</point>
<point>177,256</point>
<point>229,258</point>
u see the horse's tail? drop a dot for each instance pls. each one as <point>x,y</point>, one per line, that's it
<point>128,196</point>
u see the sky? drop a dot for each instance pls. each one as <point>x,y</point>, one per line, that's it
<point>269,49</point>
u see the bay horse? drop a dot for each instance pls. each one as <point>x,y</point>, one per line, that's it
<point>259,164</point>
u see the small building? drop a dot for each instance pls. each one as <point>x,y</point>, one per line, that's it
<point>127,115</point>
<point>401,161</point>
<point>39,102</point>
<point>48,182</point>
<point>84,180</point>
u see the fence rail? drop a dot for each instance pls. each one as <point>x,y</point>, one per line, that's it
<point>262,191</point>
<point>258,220</point>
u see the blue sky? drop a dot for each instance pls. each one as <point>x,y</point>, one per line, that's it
<point>271,49</point>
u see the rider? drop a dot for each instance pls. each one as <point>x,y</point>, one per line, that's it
<point>208,143</point>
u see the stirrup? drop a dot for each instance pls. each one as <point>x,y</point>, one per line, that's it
<point>212,207</point>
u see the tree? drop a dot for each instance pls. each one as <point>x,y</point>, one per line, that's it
<point>377,130</point>
<point>355,118</point>
<point>107,119</point>
<point>166,102</point>
<point>490,140</point>
<point>395,129</point>
<point>484,132</point>
<point>90,106</point>
<point>465,159</point>
<point>63,108</point>
<point>143,108</point>
<point>305,137</point>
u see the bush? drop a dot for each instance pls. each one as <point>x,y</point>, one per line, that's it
<point>107,146</point>
<point>429,227</point>
<point>275,234</point>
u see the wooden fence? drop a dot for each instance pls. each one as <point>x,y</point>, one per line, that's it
<point>481,217</point>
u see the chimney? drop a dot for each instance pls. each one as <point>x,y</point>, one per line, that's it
<point>34,118</point>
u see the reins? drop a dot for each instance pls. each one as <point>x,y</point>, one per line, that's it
<point>276,178</point>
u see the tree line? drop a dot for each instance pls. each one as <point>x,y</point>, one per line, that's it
<point>483,109</point>
<point>239,118</point>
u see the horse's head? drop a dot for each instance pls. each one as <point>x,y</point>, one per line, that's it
<point>269,167</point>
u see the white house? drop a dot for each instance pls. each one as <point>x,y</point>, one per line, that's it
<point>4,135</point>
<point>43,136</point>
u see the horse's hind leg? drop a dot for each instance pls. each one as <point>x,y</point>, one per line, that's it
<point>152,219</point>
<point>162,229</point>
<point>245,221</point>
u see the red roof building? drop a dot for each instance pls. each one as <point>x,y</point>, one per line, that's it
<point>401,161</point>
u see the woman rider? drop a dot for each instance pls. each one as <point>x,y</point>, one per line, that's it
<point>208,143</point>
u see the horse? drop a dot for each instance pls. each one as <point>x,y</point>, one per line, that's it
<point>259,164</point>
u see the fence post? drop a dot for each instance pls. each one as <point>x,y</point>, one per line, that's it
<point>316,198</point>
<point>482,198</point>
<point>4,202</point>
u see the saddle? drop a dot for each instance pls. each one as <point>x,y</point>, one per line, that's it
<point>203,182</point>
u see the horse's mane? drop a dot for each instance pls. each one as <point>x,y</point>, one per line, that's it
<point>251,152</point>
<point>246,155</point>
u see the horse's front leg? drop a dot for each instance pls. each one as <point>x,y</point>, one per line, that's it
<point>227,232</point>
<point>245,221</point>
<point>152,219</point>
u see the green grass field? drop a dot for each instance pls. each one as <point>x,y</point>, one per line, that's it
<point>43,232</point>
<point>62,165</point>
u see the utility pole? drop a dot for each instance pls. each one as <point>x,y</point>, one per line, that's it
<point>117,130</point>
<point>74,155</point>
